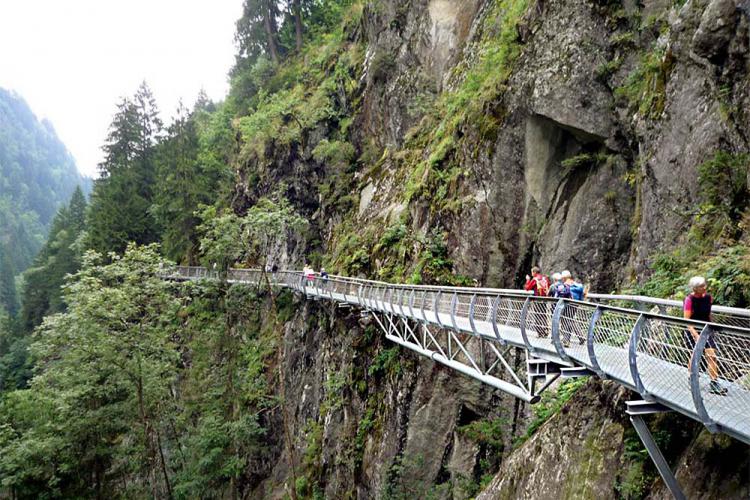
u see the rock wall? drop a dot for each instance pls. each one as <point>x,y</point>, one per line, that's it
<point>606,116</point>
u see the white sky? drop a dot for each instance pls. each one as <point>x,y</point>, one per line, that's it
<point>72,60</point>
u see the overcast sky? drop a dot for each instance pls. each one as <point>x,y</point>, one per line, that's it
<point>72,60</point>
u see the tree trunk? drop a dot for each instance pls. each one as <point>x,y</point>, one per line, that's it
<point>269,24</point>
<point>163,466</point>
<point>297,9</point>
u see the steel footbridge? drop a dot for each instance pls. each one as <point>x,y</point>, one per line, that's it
<point>641,343</point>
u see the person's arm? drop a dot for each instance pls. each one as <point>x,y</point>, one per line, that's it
<point>529,284</point>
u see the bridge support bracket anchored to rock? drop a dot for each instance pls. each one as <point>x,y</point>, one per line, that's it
<point>636,410</point>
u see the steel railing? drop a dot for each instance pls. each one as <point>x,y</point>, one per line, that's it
<point>645,347</point>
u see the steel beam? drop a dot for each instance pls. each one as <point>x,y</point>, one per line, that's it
<point>655,453</point>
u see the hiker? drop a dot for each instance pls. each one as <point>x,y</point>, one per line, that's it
<point>577,292</point>
<point>559,289</point>
<point>539,285</point>
<point>537,282</point>
<point>697,306</point>
<point>324,276</point>
<point>309,274</point>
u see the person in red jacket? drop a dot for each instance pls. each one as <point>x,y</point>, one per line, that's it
<point>539,284</point>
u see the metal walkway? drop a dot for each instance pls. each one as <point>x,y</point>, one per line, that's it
<point>635,341</point>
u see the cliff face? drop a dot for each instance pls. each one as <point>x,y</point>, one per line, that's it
<point>511,132</point>
<point>592,160</point>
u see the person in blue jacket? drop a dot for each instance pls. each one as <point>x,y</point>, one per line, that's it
<point>576,288</point>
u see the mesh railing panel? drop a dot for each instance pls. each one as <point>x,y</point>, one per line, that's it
<point>728,401</point>
<point>539,319</point>
<point>611,339</point>
<point>663,357</point>
<point>574,325</point>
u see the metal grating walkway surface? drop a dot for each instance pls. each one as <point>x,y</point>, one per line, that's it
<point>648,351</point>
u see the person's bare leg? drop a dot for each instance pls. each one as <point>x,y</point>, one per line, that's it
<point>713,366</point>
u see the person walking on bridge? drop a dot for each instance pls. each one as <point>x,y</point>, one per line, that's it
<point>697,306</point>
<point>539,285</point>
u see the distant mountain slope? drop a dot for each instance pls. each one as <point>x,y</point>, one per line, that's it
<point>37,175</point>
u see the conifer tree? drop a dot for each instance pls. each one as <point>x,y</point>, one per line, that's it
<point>8,301</point>
<point>59,257</point>
<point>122,196</point>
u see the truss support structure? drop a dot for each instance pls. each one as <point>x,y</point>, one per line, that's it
<point>636,410</point>
<point>471,355</point>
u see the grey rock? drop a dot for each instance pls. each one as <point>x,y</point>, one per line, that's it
<point>716,29</point>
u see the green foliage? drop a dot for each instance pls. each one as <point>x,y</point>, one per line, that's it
<point>584,160</point>
<point>382,65</point>
<point>606,69</point>
<point>386,363</point>
<point>403,485</point>
<point>119,212</point>
<point>645,88</point>
<point>335,153</point>
<point>89,394</point>
<point>335,385</point>
<point>486,432</point>
<point>307,484</point>
<point>60,256</point>
<point>37,176</point>
<point>137,367</point>
<point>551,403</point>
<point>436,175</point>
<point>635,481</point>
<point>723,184</point>
<point>191,170</point>
<point>712,248</point>
<point>258,236</point>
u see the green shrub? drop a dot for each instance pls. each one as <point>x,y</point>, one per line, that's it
<point>645,88</point>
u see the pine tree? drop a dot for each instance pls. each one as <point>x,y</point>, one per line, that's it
<point>59,257</point>
<point>8,300</point>
<point>257,31</point>
<point>122,196</point>
<point>181,187</point>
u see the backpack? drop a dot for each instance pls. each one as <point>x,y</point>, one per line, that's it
<point>542,286</point>
<point>561,291</point>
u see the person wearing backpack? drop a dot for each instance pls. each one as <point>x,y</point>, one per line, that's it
<point>537,282</point>
<point>559,289</point>
<point>577,292</point>
<point>539,285</point>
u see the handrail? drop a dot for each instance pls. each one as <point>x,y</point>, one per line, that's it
<point>647,351</point>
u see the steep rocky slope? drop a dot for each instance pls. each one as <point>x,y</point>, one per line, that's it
<point>470,140</point>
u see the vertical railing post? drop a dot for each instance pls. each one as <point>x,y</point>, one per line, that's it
<point>471,314</point>
<point>556,317</point>
<point>411,304</point>
<point>454,303</point>
<point>635,337</point>
<point>524,316</point>
<point>695,388</point>
<point>495,305</point>
<point>436,307</point>
<point>401,301</point>
<point>590,342</point>
<point>421,307</point>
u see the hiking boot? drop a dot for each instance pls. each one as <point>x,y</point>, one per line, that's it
<point>715,388</point>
